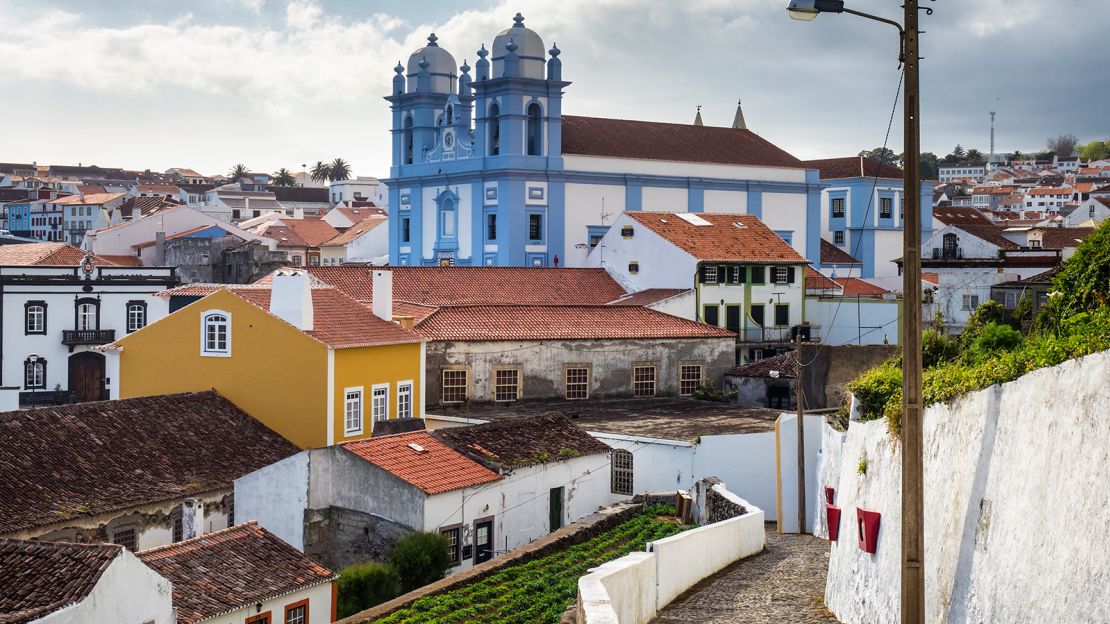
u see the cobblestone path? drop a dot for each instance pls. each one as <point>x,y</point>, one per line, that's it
<point>783,584</point>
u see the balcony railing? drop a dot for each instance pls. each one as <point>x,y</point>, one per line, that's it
<point>73,337</point>
<point>809,333</point>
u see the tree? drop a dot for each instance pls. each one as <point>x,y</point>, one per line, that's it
<point>957,155</point>
<point>930,166</point>
<point>1095,150</point>
<point>340,170</point>
<point>284,177</point>
<point>420,558</point>
<point>238,171</point>
<point>1063,145</point>
<point>884,155</point>
<point>974,156</point>
<point>1017,155</point>
<point>365,585</point>
<point>321,171</point>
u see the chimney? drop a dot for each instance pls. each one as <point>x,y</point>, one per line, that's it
<point>159,249</point>
<point>291,298</point>
<point>383,294</point>
<point>192,518</point>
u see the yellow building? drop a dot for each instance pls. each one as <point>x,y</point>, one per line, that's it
<point>306,360</point>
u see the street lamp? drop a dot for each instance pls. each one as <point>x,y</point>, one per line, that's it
<point>913,499</point>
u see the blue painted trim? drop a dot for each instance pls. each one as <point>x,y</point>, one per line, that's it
<point>634,197</point>
<point>786,235</point>
<point>696,199</point>
<point>755,203</point>
<point>556,223</point>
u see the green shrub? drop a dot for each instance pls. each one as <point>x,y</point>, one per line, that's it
<point>365,585</point>
<point>995,337</point>
<point>1083,282</point>
<point>873,388</point>
<point>420,558</point>
<point>990,311</point>
<point>709,393</point>
<point>937,348</point>
<point>1021,318</point>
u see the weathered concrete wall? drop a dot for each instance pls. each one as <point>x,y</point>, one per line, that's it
<point>828,369</point>
<point>341,479</point>
<point>338,537</point>
<point>752,391</point>
<point>1016,525</point>
<point>276,496</point>
<point>542,364</point>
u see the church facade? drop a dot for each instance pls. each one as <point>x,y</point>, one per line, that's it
<point>488,171</point>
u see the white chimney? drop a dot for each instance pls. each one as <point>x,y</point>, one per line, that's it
<point>192,518</point>
<point>383,294</point>
<point>291,298</point>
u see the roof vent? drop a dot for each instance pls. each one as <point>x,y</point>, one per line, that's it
<point>416,447</point>
<point>662,220</point>
<point>739,225</point>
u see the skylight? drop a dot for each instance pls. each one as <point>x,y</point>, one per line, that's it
<point>692,218</point>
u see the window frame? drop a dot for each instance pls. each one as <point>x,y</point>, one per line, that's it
<point>534,129</point>
<point>583,384</point>
<point>354,395</point>
<point>622,477</point>
<point>404,389</point>
<point>84,303</point>
<point>300,604</point>
<point>780,275</point>
<point>838,237</point>
<point>134,303</point>
<point>497,384</point>
<point>654,381</point>
<point>491,226</point>
<point>682,366</point>
<point>761,271</point>
<point>27,305</point>
<point>493,121</point>
<point>886,207</point>
<point>124,528</point>
<point>39,363</point>
<point>383,388</point>
<point>443,385</point>
<point>834,203</point>
<point>204,322</point>
<point>716,308</point>
<point>535,219</point>
<point>455,553</point>
<point>710,274</point>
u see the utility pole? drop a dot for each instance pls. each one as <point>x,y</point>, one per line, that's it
<point>799,383</point>
<point>913,498</point>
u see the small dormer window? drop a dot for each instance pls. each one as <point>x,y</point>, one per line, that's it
<point>215,334</point>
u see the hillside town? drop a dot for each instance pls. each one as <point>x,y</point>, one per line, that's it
<point>617,371</point>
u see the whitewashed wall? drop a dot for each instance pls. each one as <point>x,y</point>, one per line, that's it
<point>1016,524</point>
<point>585,204</point>
<point>657,199</point>
<point>319,607</point>
<point>786,430</point>
<point>662,265</point>
<point>276,496</point>
<point>730,202</point>
<point>128,591</point>
<point>848,321</point>
<point>787,211</point>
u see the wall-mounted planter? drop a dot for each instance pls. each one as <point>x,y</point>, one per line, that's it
<point>830,495</point>
<point>867,526</point>
<point>832,520</point>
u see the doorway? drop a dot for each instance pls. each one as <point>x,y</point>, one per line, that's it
<point>483,540</point>
<point>556,509</point>
<point>86,376</point>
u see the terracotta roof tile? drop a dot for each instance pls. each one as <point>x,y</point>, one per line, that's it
<point>559,322</point>
<point>624,138</point>
<point>991,233</point>
<point>1061,238</point>
<point>728,237</point>
<point>856,287</point>
<point>38,578</point>
<point>831,254</point>
<point>932,278</point>
<point>310,231</point>
<point>785,363</point>
<point>957,215</point>
<point>359,211</point>
<point>649,296</point>
<point>90,199</point>
<point>355,231</point>
<point>45,254</point>
<point>63,462</point>
<point>853,167</point>
<point>438,286</point>
<point>524,441</point>
<point>816,280</point>
<point>128,261</point>
<point>434,469</point>
<point>230,569</point>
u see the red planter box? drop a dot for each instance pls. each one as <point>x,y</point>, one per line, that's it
<point>867,524</point>
<point>830,495</point>
<point>832,519</point>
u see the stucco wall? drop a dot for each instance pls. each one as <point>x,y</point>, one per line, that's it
<point>319,607</point>
<point>786,432</point>
<point>128,591</point>
<point>541,364</point>
<point>1015,496</point>
<point>276,496</point>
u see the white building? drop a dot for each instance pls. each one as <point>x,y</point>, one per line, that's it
<point>1096,209</point>
<point>84,212</point>
<point>123,238</point>
<point>490,488</point>
<point>958,171</point>
<point>360,189</point>
<point>365,241</point>
<point>57,304</point>
<point>744,277</point>
<point>1049,199</point>
<point>64,583</point>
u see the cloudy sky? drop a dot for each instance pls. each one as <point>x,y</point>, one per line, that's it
<point>277,83</point>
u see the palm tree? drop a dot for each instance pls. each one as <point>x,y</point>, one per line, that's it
<point>284,177</point>
<point>238,171</point>
<point>321,171</point>
<point>975,156</point>
<point>340,170</point>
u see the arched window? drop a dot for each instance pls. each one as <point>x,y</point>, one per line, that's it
<point>34,317</point>
<point>494,129</point>
<point>950,246</point>
<point>535,130</point>
<point>447,218</point>
<point>215,333</point>
<point>34,372</point>
<point>88,315</point>
<point>408,140</point>
<point>621,472</point>
<point>136,315</point>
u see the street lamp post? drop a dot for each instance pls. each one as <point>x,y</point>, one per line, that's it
<point>913,499</point>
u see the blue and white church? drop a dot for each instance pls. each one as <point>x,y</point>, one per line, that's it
<point>487,170</point>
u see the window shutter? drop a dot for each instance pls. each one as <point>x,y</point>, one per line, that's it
<point>701,273</point>
<point>743,273</point>
<point>790,275</point>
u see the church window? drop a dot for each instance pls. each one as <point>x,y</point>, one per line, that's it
<point>494,130</point>
<point>450,115</point>
<point>535,130</point>
<point>406,235</point>
<point>535,227</point>
<point>447,218</point>
<point>408,140</point>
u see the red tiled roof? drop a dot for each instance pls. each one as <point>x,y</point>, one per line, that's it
<point>1061,238</point>
<point>360,210</point>
<point>435,469</point>
<point>436,286</point>
<point>559,322</point>
<point>1047,191</point>
<point>307,232</point>
<point>45,254</point>
<point>785,363</point>
<point>91,199</point>
<point>128,261</point>
<point>39,578</point>
<point>816,280</point>
<point>856,287</point>
<point>227,570</point>
<point>853,167</point>
<point>831,254</point>
<point>956,215</point>
<point>932,278</point>
<point>524,441</point>
<point>357,230</point>
<point>649,296</point>
<point>70,461</point>
<point>649,140</point>
<point>728,237</point>
<point>991,233</point>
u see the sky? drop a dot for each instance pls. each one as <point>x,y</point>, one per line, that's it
<point>206,84</point>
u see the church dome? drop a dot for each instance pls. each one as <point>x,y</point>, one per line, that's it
<point>529,47</point>
<point>441,66</point>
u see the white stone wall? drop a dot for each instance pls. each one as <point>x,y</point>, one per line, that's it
<point>1016,524</point>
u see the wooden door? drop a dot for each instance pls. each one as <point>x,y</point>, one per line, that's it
<point>556,509</point>
<point>483,541</point>
<point>86,376</point>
